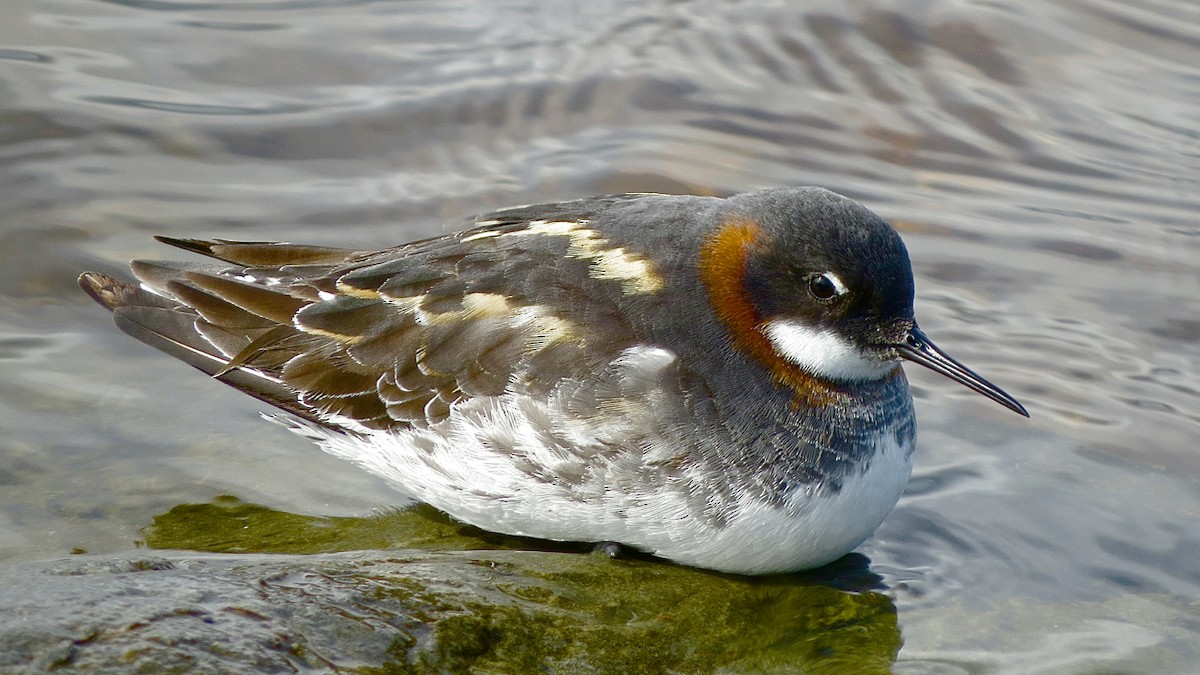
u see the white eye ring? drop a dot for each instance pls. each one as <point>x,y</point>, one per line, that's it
<point>837,283</point>
<point>821,285</point>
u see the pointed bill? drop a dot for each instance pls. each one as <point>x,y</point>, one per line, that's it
<point>919,349</point>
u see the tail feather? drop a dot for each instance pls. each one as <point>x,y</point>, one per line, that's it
<point>177,330</point>
<point>262,253</point>
<point>172,330</point>
<point>113,293</point>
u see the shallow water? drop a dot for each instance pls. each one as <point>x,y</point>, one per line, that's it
<point>1041,161</point>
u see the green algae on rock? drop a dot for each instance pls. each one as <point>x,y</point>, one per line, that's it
<point>424,612</point>
<point>473,601</point>
<point>229,525</point>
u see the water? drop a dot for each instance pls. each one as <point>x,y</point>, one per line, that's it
<point>1041,161</point>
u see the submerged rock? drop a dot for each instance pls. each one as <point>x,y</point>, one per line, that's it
<point>414,611</point>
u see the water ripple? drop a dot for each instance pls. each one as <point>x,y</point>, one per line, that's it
<point>24,55</point>
<point>1040,160</point>
<point>195,108</point>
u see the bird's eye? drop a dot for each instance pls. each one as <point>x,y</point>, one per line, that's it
<point>825,286</point>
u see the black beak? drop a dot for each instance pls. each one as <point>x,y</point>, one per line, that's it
<point>918,349</point>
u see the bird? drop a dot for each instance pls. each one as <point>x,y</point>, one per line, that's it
<point>713,381</point>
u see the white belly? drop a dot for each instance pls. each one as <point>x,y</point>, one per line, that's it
<point>457,469</point>
<point>813,531</point>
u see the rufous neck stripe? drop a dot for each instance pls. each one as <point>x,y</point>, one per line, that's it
<point>723,271</point>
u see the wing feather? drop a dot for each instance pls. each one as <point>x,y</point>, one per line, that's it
<point>213,308</point>
<point>169,327</point>
<point>387,339</point>
<point>267,302</point>
<point>262,253</point>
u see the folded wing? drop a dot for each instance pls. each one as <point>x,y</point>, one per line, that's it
<point>392,339</point>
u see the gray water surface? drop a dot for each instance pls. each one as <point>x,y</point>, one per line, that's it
<point>1042,161</point>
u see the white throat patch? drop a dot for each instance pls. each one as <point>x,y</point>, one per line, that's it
<point>823,353</point>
